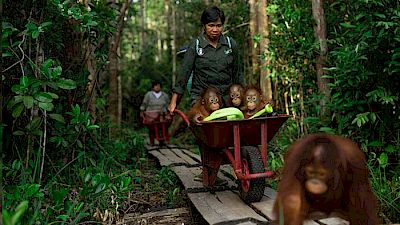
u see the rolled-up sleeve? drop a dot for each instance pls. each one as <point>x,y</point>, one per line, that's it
<point>186,69</point>
<point>145,102</point>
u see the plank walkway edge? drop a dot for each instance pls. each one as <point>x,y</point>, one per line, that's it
<point>222,205</point>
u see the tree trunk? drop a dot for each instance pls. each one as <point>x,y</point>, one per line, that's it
<point>142,16</point>
<point>173,31</point>
<point>302,108</point>
<point>91,88</point>
<point>168,13</point>
<point>320,33</point>
<point>265,80</point>
<point>119,118</point>
<point>113,109</point>
<point>254,50</point>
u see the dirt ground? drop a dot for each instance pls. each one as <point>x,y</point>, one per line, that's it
<point>151,206</point>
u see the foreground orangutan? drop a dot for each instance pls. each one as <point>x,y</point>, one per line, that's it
<point>210,100</point>
<point>236,94</point>
<point>325,175</point>
<point>253,101</point>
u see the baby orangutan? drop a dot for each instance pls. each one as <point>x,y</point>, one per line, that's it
<point>253,101</point>
<point>236,95</point>
<point>210,100</point>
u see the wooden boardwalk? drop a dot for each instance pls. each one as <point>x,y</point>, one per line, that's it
<point>223,206</point>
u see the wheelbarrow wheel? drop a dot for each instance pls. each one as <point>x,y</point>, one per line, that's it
<point>252,190</point>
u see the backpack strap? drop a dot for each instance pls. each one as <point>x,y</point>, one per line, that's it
<point>229,42</point>
<point>197,45</point>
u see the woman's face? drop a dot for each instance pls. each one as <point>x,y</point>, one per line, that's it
<point>213,30</point>
<point>157,88</point>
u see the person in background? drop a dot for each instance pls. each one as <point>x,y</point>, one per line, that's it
<point>154,100</point>
<point>153,112</point>
<point>211,60</point>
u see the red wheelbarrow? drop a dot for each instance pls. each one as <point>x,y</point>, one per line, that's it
<point>237,142</point>
<point>158,124</point>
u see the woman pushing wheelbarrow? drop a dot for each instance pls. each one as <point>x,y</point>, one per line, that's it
<point>212,60</point>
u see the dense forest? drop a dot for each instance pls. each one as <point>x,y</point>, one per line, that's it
<point>74,73</point>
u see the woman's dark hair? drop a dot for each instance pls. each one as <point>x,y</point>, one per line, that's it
<point>212,14</point>
<point>154,83</point>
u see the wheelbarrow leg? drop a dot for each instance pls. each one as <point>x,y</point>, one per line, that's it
<point>211,160</point>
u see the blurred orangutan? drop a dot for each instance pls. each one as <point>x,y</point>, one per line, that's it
<point>325,175</point>
<point>253,101</point>
<point>210,100</point>
<point>236,93</point>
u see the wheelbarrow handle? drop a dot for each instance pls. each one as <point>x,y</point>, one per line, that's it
<point>183,116</point>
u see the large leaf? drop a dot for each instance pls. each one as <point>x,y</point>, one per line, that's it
<point>14,101</point>
<point>346,25</point>
<point>46,65</point>
<point>43,97</point>
<point>66,84</point>
<point>31,26</point>
<point>34,124</point>
<point>57,117</point>
<point>53,95</point>
<point>31,190</point>
<point>45,24</point>
<point>17,110</point>
<point>383,160</point>
<point>19,212</point>
<point>24,81</point>
<point>18,133</point>
<point>28,101</point>
<point>46,106</point>
<point>35,34</point>
<point>376,143</point>
<point>19,89</point>
<point>55,72</point>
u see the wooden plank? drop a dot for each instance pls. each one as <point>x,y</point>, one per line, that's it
<point>246,223</point>
<point>334,221</point>
<point>185,157</point>
<point>270,193</point>
<point>164,161</point>
<point>224,207</point>
<point>151,148</point>
<point>310,222</point>
<point>168,216</point>
<point>264,207</point>
<point>227,170</point>
<point>191,154</point>
<point>187,175</point>
<point>174,159</point>
<point>172,146</point>
<point>166,212</point>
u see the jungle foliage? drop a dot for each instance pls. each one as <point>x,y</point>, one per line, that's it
<point>59,163</point>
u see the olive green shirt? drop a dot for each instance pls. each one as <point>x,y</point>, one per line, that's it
<point>217,67</point>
